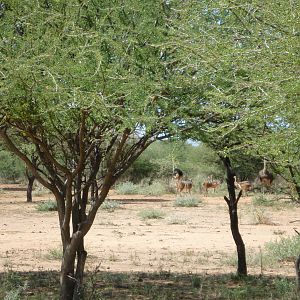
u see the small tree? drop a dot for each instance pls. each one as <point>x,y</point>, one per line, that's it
<point>232,202</point>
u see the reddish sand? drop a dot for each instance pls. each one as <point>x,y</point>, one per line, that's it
<point>122,241</point>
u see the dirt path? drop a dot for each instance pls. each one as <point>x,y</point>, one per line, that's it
<point>200,242</point>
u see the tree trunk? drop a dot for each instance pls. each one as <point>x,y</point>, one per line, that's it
<point>81,258</point>
<point>30,178</point>
<point>234,223</point>
<point>30,187</point>
<point>297,266</point>
<point>71,278</point>
<point>67,279</point>
<point>295,182</point>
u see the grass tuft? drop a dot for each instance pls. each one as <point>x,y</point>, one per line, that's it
<point>110,205</point>
<point>176,220</point>
<point>54,254</point>
<point>151,213</point>
<point>187,202</point>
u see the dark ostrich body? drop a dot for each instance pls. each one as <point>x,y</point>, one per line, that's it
<point>266,178</point>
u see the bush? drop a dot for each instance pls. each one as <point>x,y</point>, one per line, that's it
<point>110,205</point>
<point>126,188</point>
<point>262,200</point>
<point>151,214</point>
<point>155,189</point>
<point>187,202</point>
<point>49,205</point>
<point>284,249</point>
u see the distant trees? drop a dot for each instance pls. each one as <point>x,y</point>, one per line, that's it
<point>159,160</point>
<point>11,167</point>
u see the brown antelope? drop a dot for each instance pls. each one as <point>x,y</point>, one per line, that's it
<point>245,186</point>
<point>181,184</point>
<point>210,184</point>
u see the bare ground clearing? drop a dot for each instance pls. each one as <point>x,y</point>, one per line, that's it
<point>122,241</point>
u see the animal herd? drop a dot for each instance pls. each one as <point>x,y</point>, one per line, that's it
<point>185,185</point>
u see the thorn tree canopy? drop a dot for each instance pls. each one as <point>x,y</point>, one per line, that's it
<point>89,85</point>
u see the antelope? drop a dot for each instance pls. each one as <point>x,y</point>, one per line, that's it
<point>245,186</point>
<point>182,185</point>
<point>210,184</point>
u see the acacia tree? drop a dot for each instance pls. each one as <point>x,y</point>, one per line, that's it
<point>88,85</point>
<point>246,77</point>
<point>243,65</point>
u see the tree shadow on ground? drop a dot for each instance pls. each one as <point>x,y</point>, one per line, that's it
<point>163,285</point>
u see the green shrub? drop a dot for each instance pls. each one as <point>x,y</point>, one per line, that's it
<point>284,249</point>
<point>126,188</point>
<point>151,213</point>
<point>187,202</point>
<point>110,205</point>
<point>49,205</point>
<point>154,189</point>
<point>262,200</point>
<point>129,188</point>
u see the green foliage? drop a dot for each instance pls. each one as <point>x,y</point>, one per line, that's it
<point>151,213</point>
<point>284,249</point>
<point>197,161</point>
<point>188,201</point>
<point>129,188</point>
<point>262,200</point>
<point>11,168</point>
<point>126,188</point>
<point>156,188</point>
<point>49,205</point>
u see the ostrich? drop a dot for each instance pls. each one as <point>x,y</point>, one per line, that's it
<point>245,186</point>
<point>265,177</point>
<point>180,183</point>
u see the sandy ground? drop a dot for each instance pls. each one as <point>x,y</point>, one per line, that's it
<point>122,241</point>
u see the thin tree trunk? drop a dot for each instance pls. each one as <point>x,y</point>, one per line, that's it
<point>234,223</point>
<point>30,187</point>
